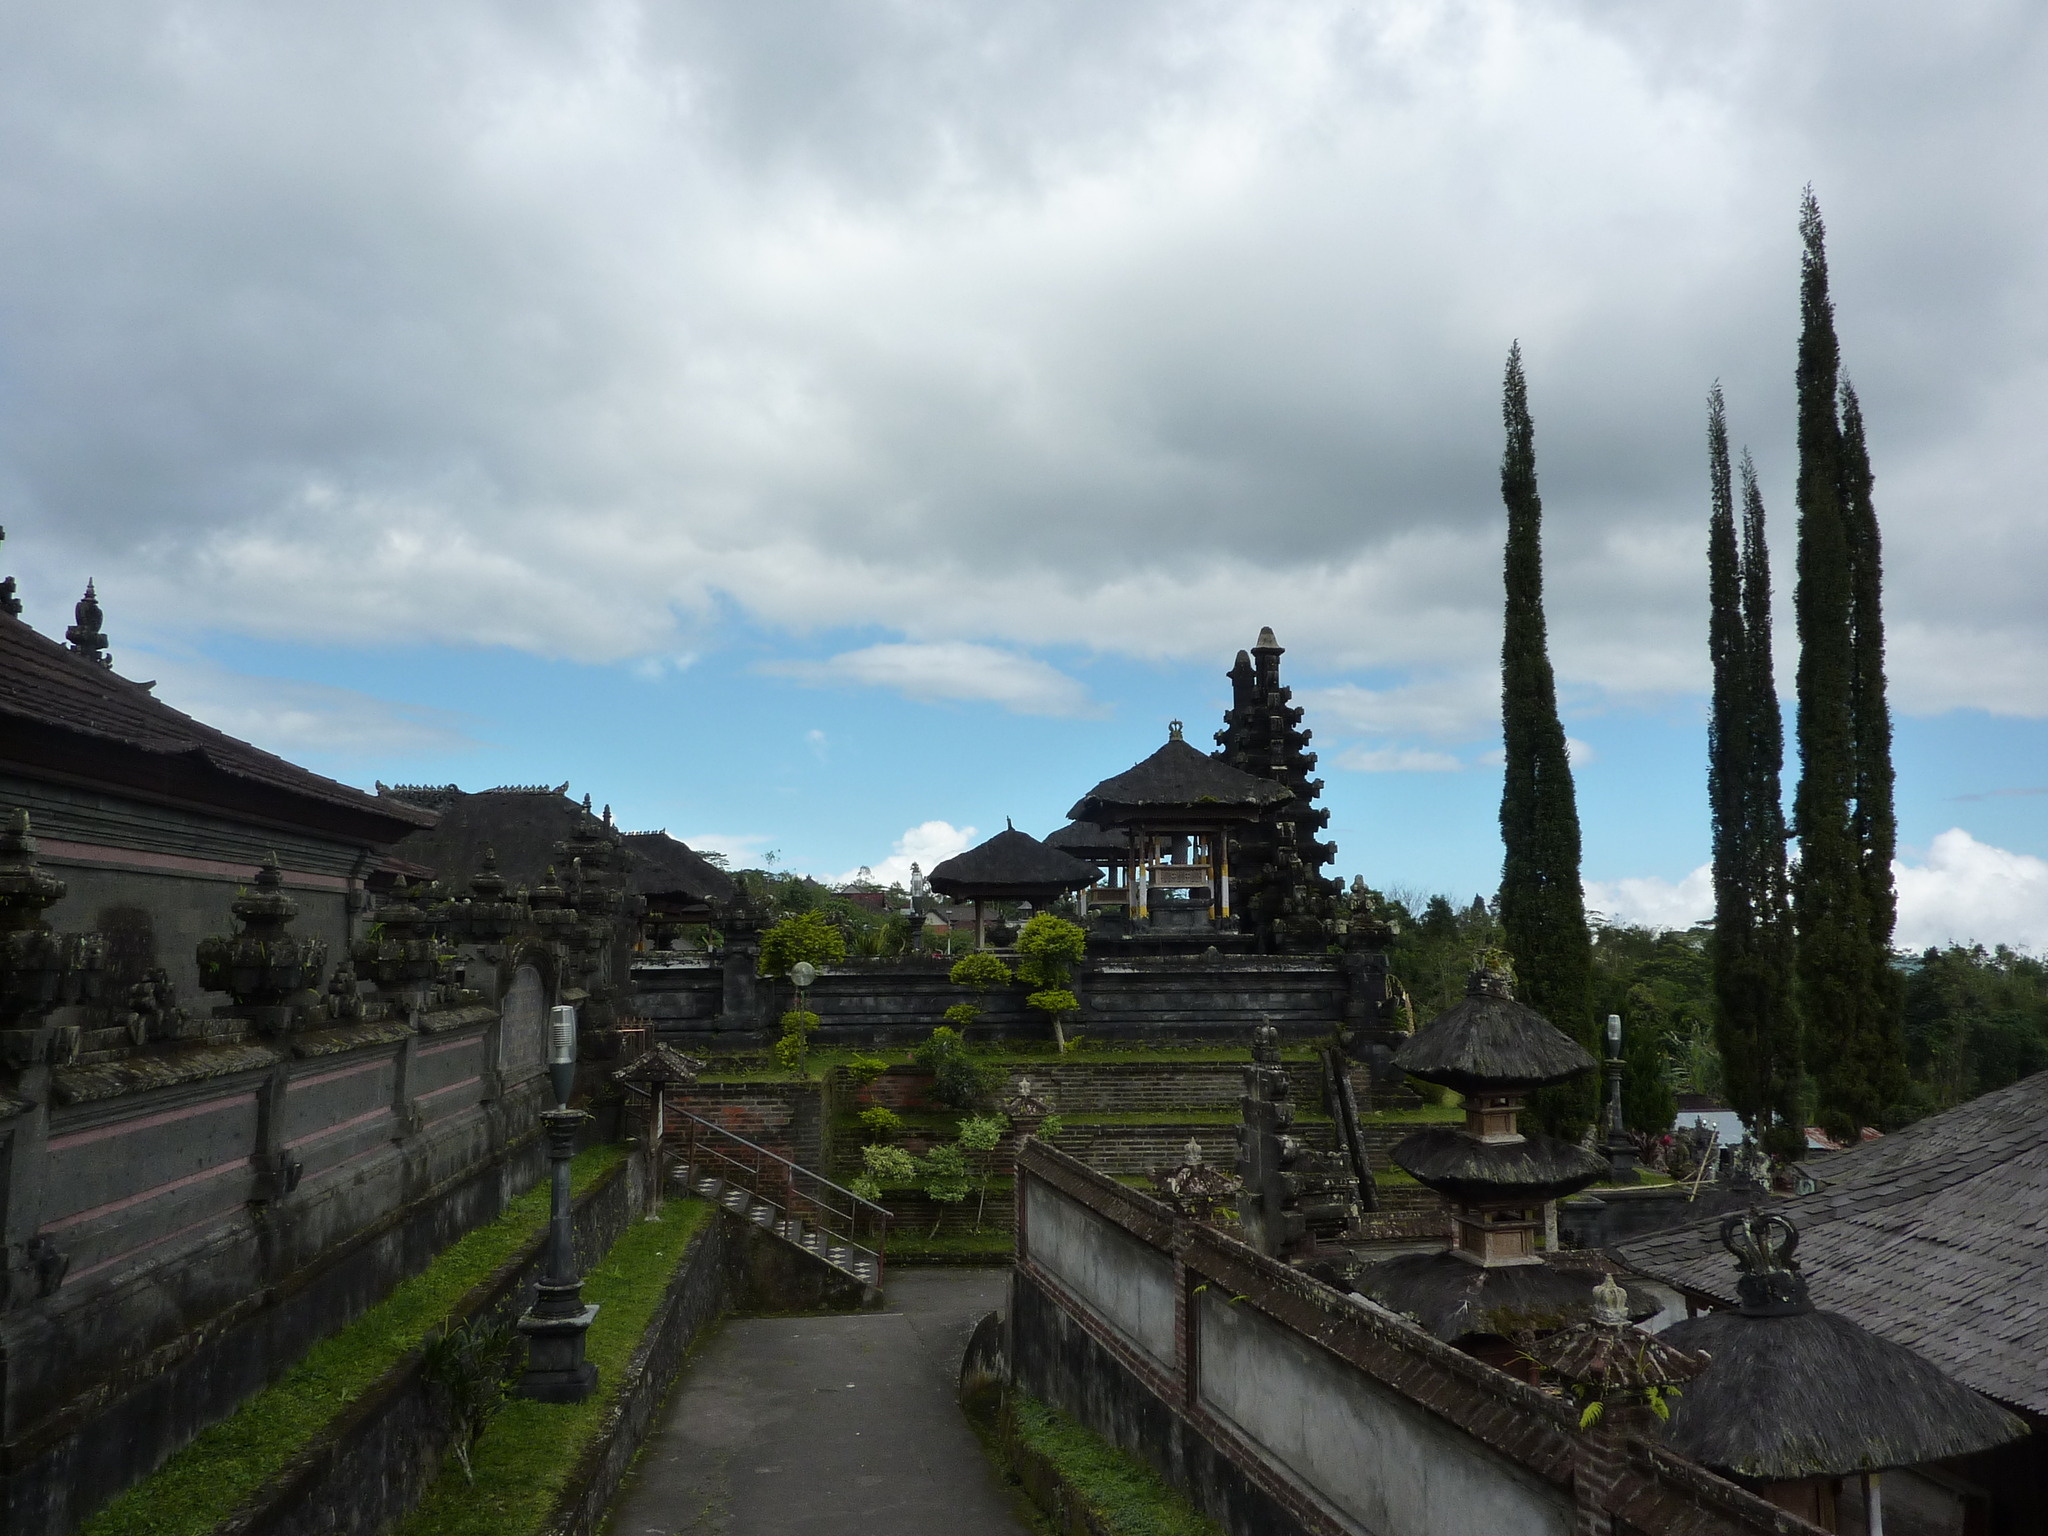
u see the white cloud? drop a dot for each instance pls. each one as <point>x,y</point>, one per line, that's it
<point>1579,752</point>
<point>1398,760</point>
<point>1964,892</point>
<point>1967,892</point>
<point>924,845</point>
<point>1652,902</point>
<point>951,671</point>
<point>566,327</point>
<point>294,718</point>
<point>1451,708</point>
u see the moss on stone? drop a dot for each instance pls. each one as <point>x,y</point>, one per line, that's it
<point>206,1481</point>
<point>525,1457</point>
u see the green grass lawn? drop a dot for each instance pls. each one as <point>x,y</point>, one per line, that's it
<point>529,1449</point>
<point>1129,1497</point>
<point>206,1481</point>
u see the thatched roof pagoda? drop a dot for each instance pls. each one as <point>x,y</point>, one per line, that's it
<point>1096,845</point>
<point>1793,1397</point>
<point>1491,1282</point>
<point>1176,784</point>
<point>1011,866</point>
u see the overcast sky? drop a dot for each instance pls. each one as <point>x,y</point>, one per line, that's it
<point>827,428</point>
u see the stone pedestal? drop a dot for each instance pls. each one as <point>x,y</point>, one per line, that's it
<point>556,1371</point>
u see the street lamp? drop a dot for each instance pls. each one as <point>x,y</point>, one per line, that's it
<point>1621,1152</point>
<point>556,1371</point>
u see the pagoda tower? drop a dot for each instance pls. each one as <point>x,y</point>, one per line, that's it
<point>1491,1283</point>
<point>1279,859</point>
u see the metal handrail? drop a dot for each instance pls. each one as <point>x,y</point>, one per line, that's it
<point>772,1166</point>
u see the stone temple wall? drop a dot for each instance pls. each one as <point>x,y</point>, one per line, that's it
<point>897,1002</point>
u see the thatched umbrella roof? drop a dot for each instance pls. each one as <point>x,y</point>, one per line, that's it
<point>1537,1167</point>
<point>1178,778</point>
<point>1085,840</point>
<point>1488,1041</point>
<point>1454,1298</point>
<point>1794,1392</point>
<point>1011,866</point>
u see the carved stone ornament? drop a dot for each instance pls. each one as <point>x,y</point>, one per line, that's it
<point>263,966</point>
<point>39,969</point>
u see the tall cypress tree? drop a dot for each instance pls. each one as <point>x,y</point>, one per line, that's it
<point>1874,822</point>
<point>1770,999</point>
<point>1542,905</point>
<point>1842,812</point>
<point>1752,931</point>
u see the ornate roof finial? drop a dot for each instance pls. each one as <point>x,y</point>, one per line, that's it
<point>586,802</point>
<point>1173,729</point>
<point>1266,640</point>
<point>9,603</point>
<point>607,815</point>
<point>86,637</point>
<point>1770,1284</point>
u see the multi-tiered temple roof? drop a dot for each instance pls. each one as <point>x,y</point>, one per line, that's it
<point>1492,1281</point>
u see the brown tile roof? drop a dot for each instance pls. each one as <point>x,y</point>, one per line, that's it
<point>71,713</point>
<point>1935,1237</point>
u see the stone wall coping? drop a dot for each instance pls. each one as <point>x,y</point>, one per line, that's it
<point>349,1037</point>
<point>448,1020</point>
<point>167,1069</point>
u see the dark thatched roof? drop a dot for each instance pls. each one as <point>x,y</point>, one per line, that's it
<point>1813,1395</point>
<point>1488,1040</point>
<point>667,867</point>
<point>1177,777</point>
<point>1454,1298</point>
<point>65,713</point>
<point>1011,866</point>
<point>1540,1167</point>
<point>1935,1237</point>
<point>521,826</point>
<point>1085,840</point>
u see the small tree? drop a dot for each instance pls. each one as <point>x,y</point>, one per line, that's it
<point>881,1123</point>
<point>881,1167</point>
<point>795,1045</point>
<point>1048,949</point>
<point>1055,1003</point>
<point>943,1175</point>
<point>980,1135</point>
<point>805,936</point>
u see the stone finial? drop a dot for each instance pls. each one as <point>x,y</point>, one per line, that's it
<point>1173,730</point>
<point>263,966</point>
<point>25,889</point>
<point>1191,1154</point>
<point>1267,640</point>
<point>86,637</point>
<point>1770,1283</point>
<point>9,603</point>
<point>1610,1303</point>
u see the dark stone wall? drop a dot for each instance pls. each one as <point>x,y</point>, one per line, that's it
<point>1054,1360</point>
<point>898,1002</point>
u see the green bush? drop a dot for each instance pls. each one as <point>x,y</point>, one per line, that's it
<point>805,936</point>
<point>865,1069</point>
<point>1054,1001</point>
<point>881,1123</point>
<point>797,1027</point>
<point>980,970</point>
<point>883,1167</point>
<point>1048,948</point>
<point>963,1015</point>
<point>960,1079</point>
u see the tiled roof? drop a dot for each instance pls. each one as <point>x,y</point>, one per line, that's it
<point>138,739</point>
<point>1935,1237</point>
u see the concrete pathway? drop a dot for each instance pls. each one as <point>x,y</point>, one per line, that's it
<point>814,1426</point>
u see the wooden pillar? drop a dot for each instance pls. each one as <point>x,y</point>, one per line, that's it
<point>980,938</point>
<point>1223,871</point>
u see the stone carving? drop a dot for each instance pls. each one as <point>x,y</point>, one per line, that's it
<point>86,638</point>
<point>40,970</point>
<point>400,950</point>
<point>270,972</point>
<point>1195,1188</point>
<point>1292,1195</point>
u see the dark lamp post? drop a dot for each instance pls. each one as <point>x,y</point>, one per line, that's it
<point>1621,1152</point>
<point>556,1371</point>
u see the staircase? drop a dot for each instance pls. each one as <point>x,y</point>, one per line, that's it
<point>826,1220</point>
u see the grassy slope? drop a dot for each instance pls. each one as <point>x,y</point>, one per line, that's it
<point>1132,1499</point>
<point>529,1449</point>
<point>203,1483</point>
